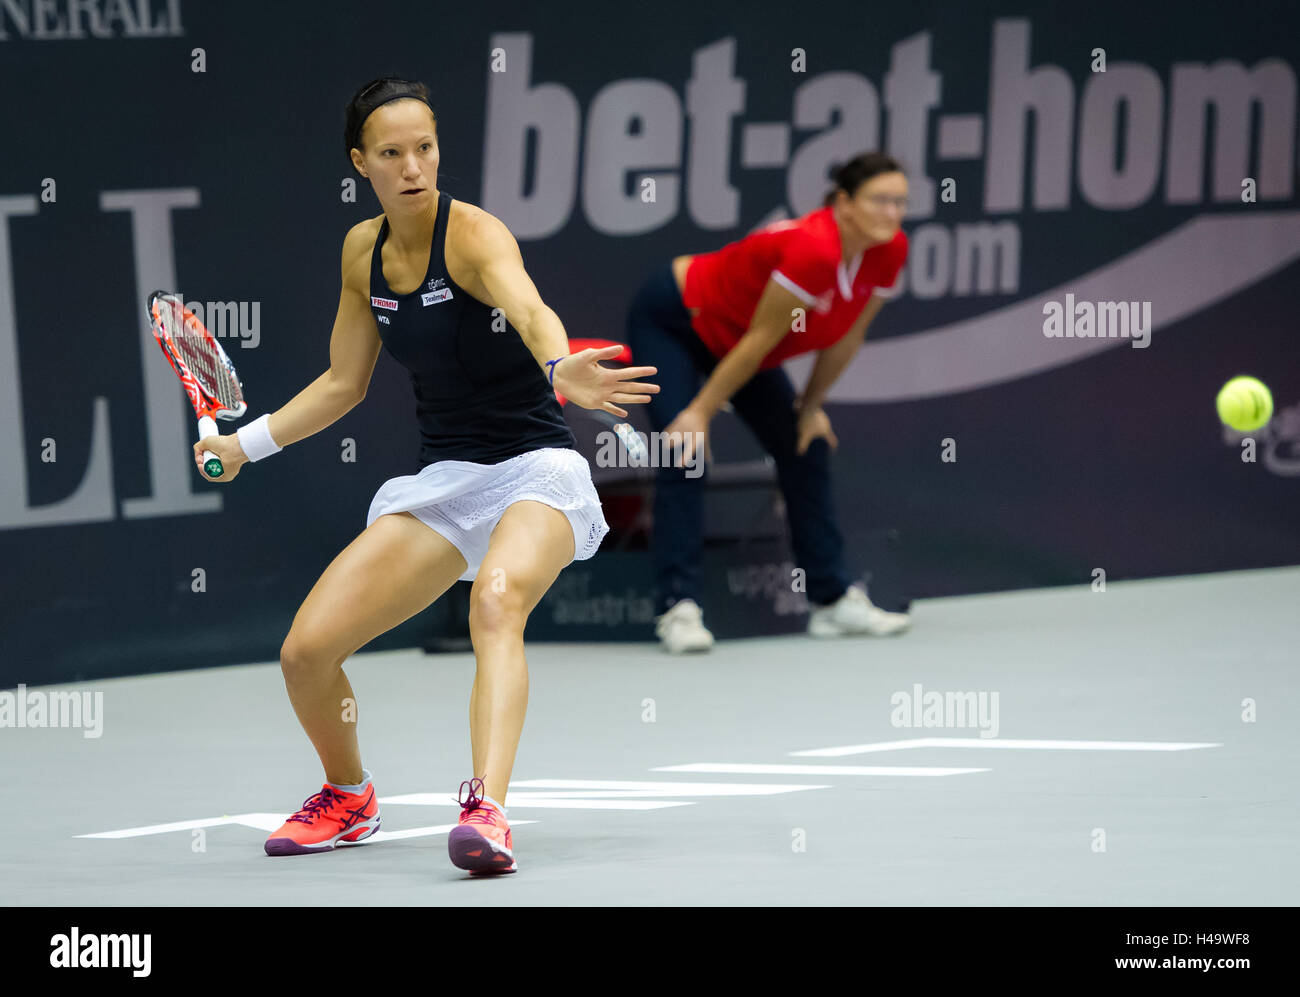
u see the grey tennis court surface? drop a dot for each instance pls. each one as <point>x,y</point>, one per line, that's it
<point>1126,768</point>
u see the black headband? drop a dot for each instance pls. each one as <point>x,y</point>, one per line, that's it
<point>354,137</point>
<point>397,96</point>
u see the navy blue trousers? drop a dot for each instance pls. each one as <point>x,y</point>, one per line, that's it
<point>660,334</point>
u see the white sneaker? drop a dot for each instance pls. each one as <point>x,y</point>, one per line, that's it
<point>681,629</point>
<point>854,614</point>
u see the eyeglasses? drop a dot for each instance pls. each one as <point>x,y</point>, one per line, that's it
<point>883,201</point>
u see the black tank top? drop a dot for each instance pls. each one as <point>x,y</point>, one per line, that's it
<point>480,395</point>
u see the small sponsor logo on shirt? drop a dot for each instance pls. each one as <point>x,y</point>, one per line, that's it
<point>388,303</point>
<point>384,319</point>
<point>436,282</point>
<point>436,297</point>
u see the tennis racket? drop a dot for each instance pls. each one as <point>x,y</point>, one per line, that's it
<point>206,373</point>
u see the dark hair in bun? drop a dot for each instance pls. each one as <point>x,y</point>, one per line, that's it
<point>848,177</point>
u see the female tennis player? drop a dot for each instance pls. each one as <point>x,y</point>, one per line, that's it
<point>503,498</point>
<point>729,319</point>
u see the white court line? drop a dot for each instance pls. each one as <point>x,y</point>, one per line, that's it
<point>607,794</point>
<point>266,822</point>
<point>996,742</point>
<point>575,794</point>
<point>542,800</point>
<point>567,794</point>
<point>269,822</point>
<point>600,787</point>
<point>736,768</point>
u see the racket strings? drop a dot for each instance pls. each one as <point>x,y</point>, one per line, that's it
<point>201,354</point>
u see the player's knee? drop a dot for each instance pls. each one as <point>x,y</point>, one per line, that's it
<point>496,610</point>
<point>302,657</point>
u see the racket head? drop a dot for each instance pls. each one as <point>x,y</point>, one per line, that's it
<point>196,356</point>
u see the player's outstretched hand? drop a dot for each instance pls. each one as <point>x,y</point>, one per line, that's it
<point>227,449</point>
<point>581,378</point>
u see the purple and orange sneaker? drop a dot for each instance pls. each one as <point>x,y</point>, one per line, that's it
<point>482,842</point>
<point>328,818</point>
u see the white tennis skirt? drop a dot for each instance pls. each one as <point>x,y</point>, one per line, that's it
<point>464,501</point>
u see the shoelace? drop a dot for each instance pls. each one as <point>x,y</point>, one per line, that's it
<point>483,815</point>
<point>475,795</point>
<point>476,813</point>
<point>315,805</point>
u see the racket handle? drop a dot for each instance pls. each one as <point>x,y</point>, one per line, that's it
<point>211,462</point>
<point>631,440</point>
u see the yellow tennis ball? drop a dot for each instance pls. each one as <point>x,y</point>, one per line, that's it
<point>1245,404</point>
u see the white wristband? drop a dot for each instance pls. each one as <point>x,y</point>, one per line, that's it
<point>255,439</point>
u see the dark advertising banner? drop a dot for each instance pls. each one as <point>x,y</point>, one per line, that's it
<point>1104,227</point>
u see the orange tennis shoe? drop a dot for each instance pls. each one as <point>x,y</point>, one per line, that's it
<point>481,843</point>
<point>328,818</point>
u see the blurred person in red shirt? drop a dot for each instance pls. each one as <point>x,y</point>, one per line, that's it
<point>718,327</point>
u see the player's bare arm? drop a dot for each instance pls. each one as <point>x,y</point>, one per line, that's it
<point>353,350</point>
<point>495,274</point>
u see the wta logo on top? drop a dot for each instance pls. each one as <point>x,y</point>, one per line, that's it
<point>1047,139</point>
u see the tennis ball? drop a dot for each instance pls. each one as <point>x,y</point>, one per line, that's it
<point>1245,404</point>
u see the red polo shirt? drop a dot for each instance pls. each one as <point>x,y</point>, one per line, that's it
<point>802,255</point>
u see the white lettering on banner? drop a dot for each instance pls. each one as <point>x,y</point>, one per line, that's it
<point>768,582</point>
<point>57,20</point>
<point>845,109</point>
<point>1185,270</point>
<point>513,109</point>
<point>1046,144</point>
<point>571,601</point>
<point>92,501</point>
<point>611,209</point>
<point>169,422</point>
<point>169,418</point>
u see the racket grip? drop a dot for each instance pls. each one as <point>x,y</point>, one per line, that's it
<point>211,462</point>
<point>623,429</point>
